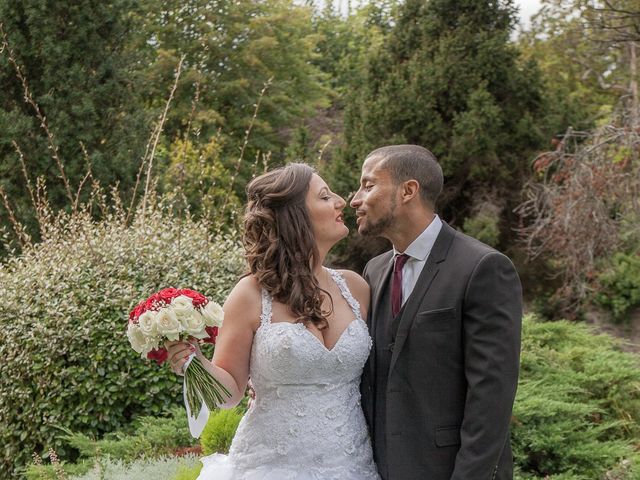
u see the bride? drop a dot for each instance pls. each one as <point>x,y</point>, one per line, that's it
<point>296,329</point>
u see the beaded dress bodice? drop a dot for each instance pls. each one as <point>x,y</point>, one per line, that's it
<point>306,421</point>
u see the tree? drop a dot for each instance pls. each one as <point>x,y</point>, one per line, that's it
<point>583,207</point>
<point>82,74</point>
<point>447,78</point>
<point>583,48</point>
<point>232,49</point>
<point>585,191</point>
<point>345,40</point>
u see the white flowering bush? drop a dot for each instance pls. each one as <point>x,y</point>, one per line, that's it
<point>64,356</point>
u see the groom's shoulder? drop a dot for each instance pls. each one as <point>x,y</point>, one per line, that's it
<point>471,245</point>
<point>378,262</point>
<point>472,249</point>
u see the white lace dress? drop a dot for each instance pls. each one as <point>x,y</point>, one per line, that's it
<point>306,422</point>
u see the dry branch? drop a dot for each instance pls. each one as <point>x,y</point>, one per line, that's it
<point>28,97</point>
<point>247,133</point>
<point>575,212</point>
<point>158,132</point>
<point>19,230</point>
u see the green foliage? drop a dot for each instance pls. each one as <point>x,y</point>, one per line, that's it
<point>620,285</point>
<point>87,95</point>
<point>49,472</point>
<point>151,436</point>
<point>577,411</point>
<point>231,50</point>
<point>484,227</point>
<point>188,473</point>
<point>220,429</point>
<point>580,61</point>
<point>344,42</point>
<point>142,469</point>
<point>63,321</point>
<point>447,78</point>
<point>197,173</point>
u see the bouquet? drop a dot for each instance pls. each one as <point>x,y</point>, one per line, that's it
<point>180,314</point>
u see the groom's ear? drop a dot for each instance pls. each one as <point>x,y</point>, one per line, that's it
<point>410,190</point>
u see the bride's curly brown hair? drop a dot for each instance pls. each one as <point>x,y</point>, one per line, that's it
<point>280,245</point>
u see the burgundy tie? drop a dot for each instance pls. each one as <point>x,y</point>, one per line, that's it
<point>396,283</point>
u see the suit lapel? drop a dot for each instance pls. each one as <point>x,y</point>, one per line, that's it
<point>381,282</point>
<point>429,272</point>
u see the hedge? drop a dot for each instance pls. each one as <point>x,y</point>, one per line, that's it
<point>64,356</point>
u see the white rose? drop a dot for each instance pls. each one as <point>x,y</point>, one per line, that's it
<point>194,325</point>
<point>136,337</point>
<point>147,323</point>
<point>168,324</point>
<point>182,305</point>
<point>213,314</point>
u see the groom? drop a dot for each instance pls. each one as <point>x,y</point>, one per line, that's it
<point>445,317</point>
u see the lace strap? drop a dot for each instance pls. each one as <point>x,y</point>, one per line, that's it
<point>346,293</point>
<point>265,316</point>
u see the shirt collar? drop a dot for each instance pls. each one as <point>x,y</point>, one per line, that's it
<point>420,248</point>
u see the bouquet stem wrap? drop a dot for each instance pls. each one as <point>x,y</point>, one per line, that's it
<point>202,393</point>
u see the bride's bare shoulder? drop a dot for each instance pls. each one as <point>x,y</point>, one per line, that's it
<point>358,286</point>
<point>355,281</point>
<point>245,299</point>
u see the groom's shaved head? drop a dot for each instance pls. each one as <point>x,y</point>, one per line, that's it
<point>412,162</point>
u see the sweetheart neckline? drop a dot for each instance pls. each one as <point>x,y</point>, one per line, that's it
<point>317,340</point>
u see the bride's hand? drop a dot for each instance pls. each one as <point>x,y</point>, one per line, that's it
<point>179,352</point>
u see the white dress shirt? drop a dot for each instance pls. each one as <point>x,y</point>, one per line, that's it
<point>418,252</point>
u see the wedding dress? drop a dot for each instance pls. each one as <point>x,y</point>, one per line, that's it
<point>306,422</point>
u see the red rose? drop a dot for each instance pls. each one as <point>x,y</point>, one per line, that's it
<point>149,302</point>
<point>197,298</point>
<point>160,355</point>
<point>213,333</point>
<point>136,312</point>
<point>168,294</point>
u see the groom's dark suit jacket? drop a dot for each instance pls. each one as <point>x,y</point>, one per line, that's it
<point>439,385</point>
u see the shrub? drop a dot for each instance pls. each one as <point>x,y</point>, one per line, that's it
<point>577,410</point>
<point>50,471</point>
<point>198,172</point>
<point>153,437</point>
<point>66,359</point>
<point>142,469</point>
<point>483,226</point>
<point>220,429</point>
<point>188,473</point>
<point>621,285</point>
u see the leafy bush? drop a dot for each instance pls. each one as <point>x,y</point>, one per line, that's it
<point>220,429</point>
<point>577,411</point>
<point>66,359</point>
<point>49,471</point>
<point>188,473</point>
<point>621,285</point>
<point>198,172</point>
<point>142,469</point>
<point>153,437</point>
<point>483,226</point>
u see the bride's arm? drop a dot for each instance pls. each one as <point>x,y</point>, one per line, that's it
<point>230,363</point>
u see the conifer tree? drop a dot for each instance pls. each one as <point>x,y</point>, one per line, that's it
<point>449,79</point>
<point>80,69</point>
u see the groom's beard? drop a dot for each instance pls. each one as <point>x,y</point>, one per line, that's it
<point>377,229</point>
